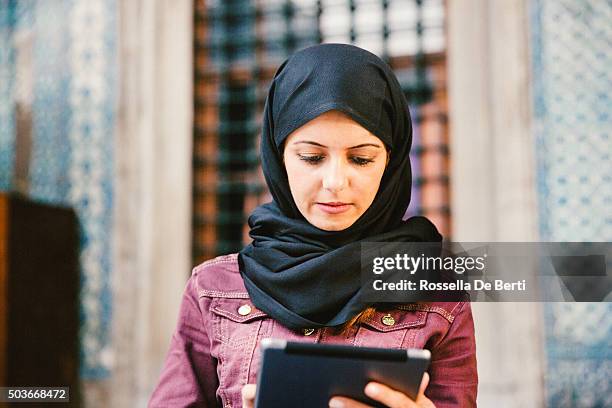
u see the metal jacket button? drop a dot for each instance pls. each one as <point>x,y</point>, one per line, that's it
<point>308,332</point>
<point>244,310</point>
<point>388,320</point>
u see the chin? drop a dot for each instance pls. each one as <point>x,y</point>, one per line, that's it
<point>327,225</point>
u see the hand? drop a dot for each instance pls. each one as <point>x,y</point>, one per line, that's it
<point>388,396</point>
<point>248,396</point>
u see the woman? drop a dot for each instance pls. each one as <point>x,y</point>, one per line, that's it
<point>334,151</point>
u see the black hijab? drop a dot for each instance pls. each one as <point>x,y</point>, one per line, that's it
<point>301,275</point>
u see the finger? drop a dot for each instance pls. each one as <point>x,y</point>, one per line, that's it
<point>422,401</point>
<point>248,395</point>
<point>424,384</point>
<point>388,396</point>
<point>343,402</point>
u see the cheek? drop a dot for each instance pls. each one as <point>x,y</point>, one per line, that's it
<point>369,183</point>
<point>298,177</point>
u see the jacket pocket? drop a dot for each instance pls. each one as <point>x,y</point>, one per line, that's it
<point>236,322</point>
<point>237,327</point>
<point>394,328</point>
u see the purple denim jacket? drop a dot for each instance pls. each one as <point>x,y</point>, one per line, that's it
<point>214,349</point>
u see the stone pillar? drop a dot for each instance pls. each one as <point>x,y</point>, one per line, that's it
<point>152,247</point>
<point>493,181</point>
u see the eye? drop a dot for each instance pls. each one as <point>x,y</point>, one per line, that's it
<point>311,158</point>
<point>361,161</point>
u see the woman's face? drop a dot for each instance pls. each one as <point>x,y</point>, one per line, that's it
<point>334,166</point>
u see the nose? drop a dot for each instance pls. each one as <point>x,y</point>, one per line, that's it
<point>335,177</point>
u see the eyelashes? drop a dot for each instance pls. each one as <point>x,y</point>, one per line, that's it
<point>317,158</point>
<point>361,161</point>
<point>310,159</point>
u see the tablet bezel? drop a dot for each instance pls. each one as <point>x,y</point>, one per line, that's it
<point>418,359</point>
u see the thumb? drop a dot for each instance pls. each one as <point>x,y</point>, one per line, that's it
<point>248,395</point>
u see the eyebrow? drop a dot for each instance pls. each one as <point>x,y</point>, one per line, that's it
<point>352,147</point>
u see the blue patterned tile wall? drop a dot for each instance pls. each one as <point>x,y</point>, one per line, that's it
<point>572,57</point>
<point>74,81</point>
<point>7,75</point>
<point>50,107</point>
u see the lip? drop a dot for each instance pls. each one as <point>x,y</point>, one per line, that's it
<point>333,207</point>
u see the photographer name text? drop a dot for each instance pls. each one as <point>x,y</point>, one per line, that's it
<point>425,285</point>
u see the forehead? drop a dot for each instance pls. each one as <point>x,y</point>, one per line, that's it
<point>333,129</point>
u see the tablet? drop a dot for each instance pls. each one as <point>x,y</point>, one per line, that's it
<point>294,374</point>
